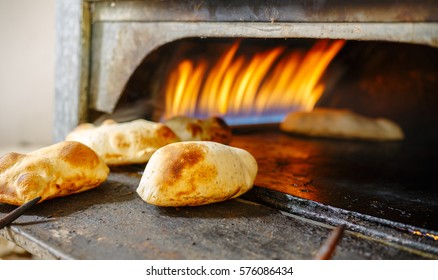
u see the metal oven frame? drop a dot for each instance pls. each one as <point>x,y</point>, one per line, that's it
<point>101,43</point>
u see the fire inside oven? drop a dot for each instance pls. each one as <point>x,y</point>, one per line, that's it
<point>254,83</point>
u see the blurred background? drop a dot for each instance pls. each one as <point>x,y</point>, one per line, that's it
<point>27,71</point>
<point>27,76</point>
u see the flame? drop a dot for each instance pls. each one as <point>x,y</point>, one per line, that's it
<point>273,82</point>
<point>430,235</point>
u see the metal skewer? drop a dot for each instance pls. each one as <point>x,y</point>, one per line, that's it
<point>328,248</point>
<point>14,214</point>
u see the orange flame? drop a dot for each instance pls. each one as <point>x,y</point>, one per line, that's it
<point>271,81</point>
<point>430,235</point>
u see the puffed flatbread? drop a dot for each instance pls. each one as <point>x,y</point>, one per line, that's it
<point>196,173</point>
<point>335,123</point>
<point>124,143</point>
<point>58,170</point>
<point>191,129</point>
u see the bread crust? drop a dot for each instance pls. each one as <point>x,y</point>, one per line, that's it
<point>61,169</point>
<point>344,124</point>
<point>124,143</point>
<point>196,173</point>
<point>191,129</point>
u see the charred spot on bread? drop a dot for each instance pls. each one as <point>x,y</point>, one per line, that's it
<point>194,129</point>
<point>181,159</point>
<point>166,133</point>
<point>78,155</point>
<point>220,122</point>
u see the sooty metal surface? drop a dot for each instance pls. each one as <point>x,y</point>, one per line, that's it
<point>392,180</point>
<point>379,191</point>
<point>112,222</point>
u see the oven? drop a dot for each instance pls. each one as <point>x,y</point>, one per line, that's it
<point>126,60</point>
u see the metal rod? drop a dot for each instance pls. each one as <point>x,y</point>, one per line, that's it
<point>328,248</point>
<point>14,214</point>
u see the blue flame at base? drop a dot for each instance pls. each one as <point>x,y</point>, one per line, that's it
<point>253,120</point>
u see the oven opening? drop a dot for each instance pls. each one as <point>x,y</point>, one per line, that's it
<point>246,84</point>
<point>254,83</point>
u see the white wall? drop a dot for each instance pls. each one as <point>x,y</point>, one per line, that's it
<point>27,71</point>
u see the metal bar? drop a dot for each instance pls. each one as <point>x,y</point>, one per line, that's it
<point>267,11</point>
<point>13,215</point>
<point>328,248</point>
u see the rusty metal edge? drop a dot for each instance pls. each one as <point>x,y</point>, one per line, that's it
<point>267,11</point>
<point>33,245</point>
<point>373,227</point>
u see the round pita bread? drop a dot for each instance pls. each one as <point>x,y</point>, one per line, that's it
<point>124,143</point>
<point>195,173</point>
<point>58,170</point>
<point>335,123</point>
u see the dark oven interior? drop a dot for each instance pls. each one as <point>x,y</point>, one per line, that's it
<point>389,181</point>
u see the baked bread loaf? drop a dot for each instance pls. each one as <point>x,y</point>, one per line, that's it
<point>335,123</point>
<point>195,173</point>
<point>58,170</point>
<point>124,143</point>
<point>191,129</point>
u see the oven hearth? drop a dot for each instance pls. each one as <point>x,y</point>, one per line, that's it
<point>114,60</point>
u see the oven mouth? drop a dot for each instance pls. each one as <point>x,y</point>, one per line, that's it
<point>387,180</point>
<point>248,82</point>
<point>372,78</point>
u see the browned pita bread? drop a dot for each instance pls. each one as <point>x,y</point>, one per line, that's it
<point>336,123</point>
<point>58,170</point>
<point>195,173</point>
<point>124,143</point>
<point>190,129</point>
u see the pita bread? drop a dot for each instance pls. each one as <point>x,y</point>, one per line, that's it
<point>190,129</point>
<point>124,143</point>
<point>195,173</point>
<point>58,170</point>
<point>336,123</point>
